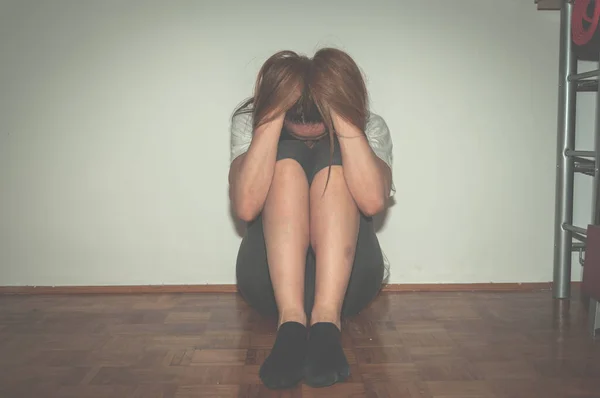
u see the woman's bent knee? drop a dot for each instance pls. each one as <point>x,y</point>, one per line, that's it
<point>289,167</point>
<point>289,179</point>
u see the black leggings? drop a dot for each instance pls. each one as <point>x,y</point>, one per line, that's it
<point>252,269</point>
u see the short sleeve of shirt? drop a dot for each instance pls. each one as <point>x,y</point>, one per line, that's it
<point>380,140</point>
<point>240,134</point>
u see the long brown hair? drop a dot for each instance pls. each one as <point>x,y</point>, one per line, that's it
<point>338,86</point>
<point>279,85</point>
<point>330,81</point>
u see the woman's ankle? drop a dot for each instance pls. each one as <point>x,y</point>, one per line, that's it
<point>322,315</point>
<point>292,315</point>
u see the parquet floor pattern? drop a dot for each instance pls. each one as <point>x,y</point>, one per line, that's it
<point>405,345</point>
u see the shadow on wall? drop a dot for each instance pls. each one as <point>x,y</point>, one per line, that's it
<point>379,220</point>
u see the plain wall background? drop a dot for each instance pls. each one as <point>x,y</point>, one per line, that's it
<point>114,141</point>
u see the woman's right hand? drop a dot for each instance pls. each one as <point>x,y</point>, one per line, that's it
<point>272,114</point>
<point>274,124</point>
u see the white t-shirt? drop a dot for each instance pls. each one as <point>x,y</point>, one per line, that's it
<point>377,132</point>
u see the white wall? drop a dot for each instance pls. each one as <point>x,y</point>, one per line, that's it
<point>114,138</point>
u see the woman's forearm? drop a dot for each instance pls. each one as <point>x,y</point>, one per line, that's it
<point>251,174</point>
<point>367,177</point>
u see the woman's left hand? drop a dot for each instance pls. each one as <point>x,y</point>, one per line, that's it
<point>343,127</point>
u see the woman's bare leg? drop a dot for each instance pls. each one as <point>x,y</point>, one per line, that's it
<point>334,222</point>
<point>286,231</point>
<point>334,228</point>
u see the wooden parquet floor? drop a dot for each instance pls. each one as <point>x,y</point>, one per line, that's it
<point>417,345</point>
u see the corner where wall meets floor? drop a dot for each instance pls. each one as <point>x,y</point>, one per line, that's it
<point>165,289</point>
